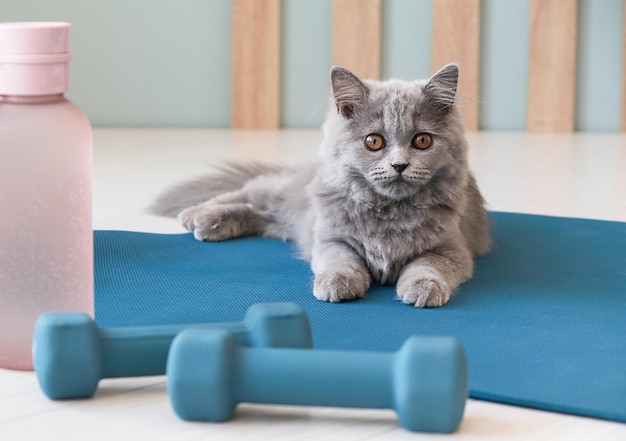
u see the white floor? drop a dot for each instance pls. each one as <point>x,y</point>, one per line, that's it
<point>581,175</point>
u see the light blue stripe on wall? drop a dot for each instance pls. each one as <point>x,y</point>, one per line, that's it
<point>306,60</point>
<point>144,63</point>
<point>599,65</point>
<point>406,39</point>
<point>504,64</point>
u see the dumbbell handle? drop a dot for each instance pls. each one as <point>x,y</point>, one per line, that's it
<point>315,378</point>
<point>147,347</point>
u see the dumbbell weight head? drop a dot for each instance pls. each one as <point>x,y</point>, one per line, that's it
<point>200,375</point>
<point>67,355</point>
<point>436,402</point>
<point>278,325</point>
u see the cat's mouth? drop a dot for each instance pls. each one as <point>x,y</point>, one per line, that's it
<point>415,178</point>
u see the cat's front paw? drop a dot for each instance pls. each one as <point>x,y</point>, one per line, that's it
<point>423,292</point>
<point>337,286</point>
<point>215,223</point>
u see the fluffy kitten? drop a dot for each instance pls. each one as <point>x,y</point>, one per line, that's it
<point>391,199</point>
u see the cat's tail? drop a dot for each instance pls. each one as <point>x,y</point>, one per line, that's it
<point>227,178</point>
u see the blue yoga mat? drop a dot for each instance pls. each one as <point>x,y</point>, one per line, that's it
<point>543,321</point>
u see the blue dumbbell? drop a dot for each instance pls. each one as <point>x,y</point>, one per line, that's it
<point>71,354</point>
<point>209,373</point>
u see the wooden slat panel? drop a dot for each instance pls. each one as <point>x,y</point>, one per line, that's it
<point>552,65</point>
<point>623,119</point>
<point>456,37</point>
<point>256,64</point>
<point>356,36</point>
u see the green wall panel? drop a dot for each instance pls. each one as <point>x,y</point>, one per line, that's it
<point>503,64</point>
<point>306,60</point>
<point>599,65</point>
<point>406,39</point>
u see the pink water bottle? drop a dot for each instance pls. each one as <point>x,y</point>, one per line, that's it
<point>46,239</point>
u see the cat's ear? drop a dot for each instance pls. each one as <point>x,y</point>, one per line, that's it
<point>348,90</point>
<point>442,85</point>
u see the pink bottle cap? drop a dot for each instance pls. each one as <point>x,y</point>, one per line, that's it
<point>34,58</point>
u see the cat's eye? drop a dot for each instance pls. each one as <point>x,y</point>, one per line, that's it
<point>422,141</point>
<point>374,141</point>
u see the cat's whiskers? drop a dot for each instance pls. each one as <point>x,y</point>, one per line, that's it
<point>382,175</point>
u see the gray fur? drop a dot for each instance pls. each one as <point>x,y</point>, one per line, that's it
<point>354,217</point>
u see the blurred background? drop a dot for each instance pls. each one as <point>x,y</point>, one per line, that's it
<point>536,65</point>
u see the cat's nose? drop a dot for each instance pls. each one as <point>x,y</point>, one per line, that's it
<point>400,167</point>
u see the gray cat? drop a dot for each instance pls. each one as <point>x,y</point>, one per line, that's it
<point>391,199</point>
